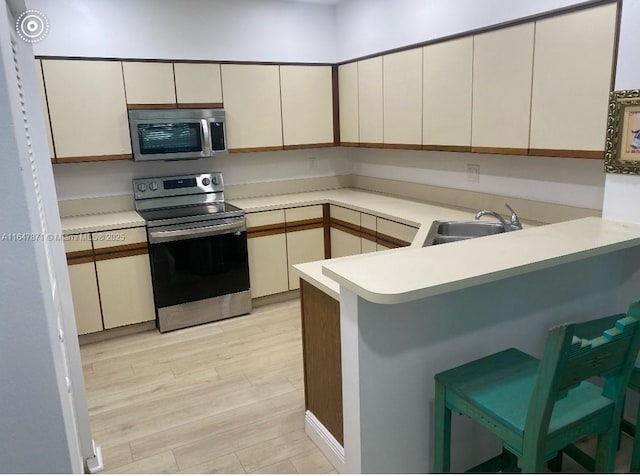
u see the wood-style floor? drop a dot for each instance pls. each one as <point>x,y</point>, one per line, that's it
<point>225,397</point>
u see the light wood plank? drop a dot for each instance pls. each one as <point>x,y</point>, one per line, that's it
<point>227,464</point>
<point>283,467</point>
<point>312,462</point>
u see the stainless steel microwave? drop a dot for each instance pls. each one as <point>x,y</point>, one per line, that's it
<point>177,134</point>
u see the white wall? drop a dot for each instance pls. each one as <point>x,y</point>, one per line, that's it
<point>574,182</point>
<point>622,192</point>
<point>365,27</point>
<point>249,30</point>
<point>97,179</point>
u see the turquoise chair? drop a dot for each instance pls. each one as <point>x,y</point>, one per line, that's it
<point>538,407</point>
<point>634,384</point>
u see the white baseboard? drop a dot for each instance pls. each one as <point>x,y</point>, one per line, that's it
<point>324,440</point>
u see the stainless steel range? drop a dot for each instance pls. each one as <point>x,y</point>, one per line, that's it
<point>197,248</point>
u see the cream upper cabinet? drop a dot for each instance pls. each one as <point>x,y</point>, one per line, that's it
<point>502,68</point>
<point>447,73</point>
<point>198,84</point>
<point>402,76</point>
<point>572,78</point>
<point>252,106</point>
<point>267,253</point>
<point>307,105</point>
<point>149,83</point>
<point>45,108</point>
<point>370,100</point>
<point>348,102</point>
<point>81,96</point>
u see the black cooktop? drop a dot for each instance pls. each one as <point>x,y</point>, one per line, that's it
<point>183,214</point>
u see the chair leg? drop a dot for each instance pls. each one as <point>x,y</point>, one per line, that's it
<point>442,433</point>
<point>635,454</point>
<point>532,462</point>
<point>555,464</point>
<point>606,450</point>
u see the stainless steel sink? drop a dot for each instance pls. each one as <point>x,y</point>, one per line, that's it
<point>450,231</point>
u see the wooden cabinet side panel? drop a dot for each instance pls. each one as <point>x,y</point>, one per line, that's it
<point>303,247</point>
<point>87,107</point>
<point>252,105</point>
<point>268,265</point>
<point>322,358</point>
<point>502,70</point>
<point>572,78</point>
<point>126,291</point>
<point>447,76</point>
<point>198,83</point>
<point>149,83</point>
<point>307,104</point>
<point>86,302</point>
<point>402,93</point>
<point>348,102</point>
<point>370,100</point>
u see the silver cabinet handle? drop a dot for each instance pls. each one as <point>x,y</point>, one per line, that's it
<point>190,233</point>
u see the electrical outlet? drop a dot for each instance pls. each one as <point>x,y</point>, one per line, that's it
<point>473,173</point>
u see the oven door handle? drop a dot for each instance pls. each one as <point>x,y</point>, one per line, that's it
<point>190,233</point>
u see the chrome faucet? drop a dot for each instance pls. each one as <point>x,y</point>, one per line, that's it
<point>515,222</point>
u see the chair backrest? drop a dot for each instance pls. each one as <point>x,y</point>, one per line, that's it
<point>609,351</point>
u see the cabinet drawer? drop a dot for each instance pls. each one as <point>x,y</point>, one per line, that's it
<point>76,243</point>
<point>345,214</point>
<point>395,232</point>
<point>273,217</point>
<point>303,213</point>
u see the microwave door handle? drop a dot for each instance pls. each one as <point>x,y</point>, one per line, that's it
<point>174,235</point>
<point>204,125</point>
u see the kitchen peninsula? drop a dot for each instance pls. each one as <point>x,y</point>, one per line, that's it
<point>409,313</point>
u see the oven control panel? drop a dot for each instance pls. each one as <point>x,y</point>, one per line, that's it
<point>157,187</point>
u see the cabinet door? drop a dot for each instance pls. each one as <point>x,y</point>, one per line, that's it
<point>198,84</point>
<point>502,66</point>
<point>86,302</point>
<point>447,71</point>
<point>305,238</point>
<point>307,105</point>
<point>344,243</point>
<point>252,106</point>
<point>267,247</point>
<point>348,100</point>
<point>88,110</point>
<point>126,291</point>
<point>402,74</point>
<point>370,101</point>
<point>367,233</point>
<point>149,83</point>
<point>394,233</point>
<point>45,109</point>
<point>571,80</point>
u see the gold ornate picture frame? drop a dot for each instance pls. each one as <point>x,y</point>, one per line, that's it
<point>622,147</point>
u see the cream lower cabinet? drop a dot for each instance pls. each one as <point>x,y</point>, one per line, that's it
<point>345,232</point>
<point>305,238</point>
<point>125,290</point>
<point>267,248</point>
<point>84,285</point>
<point>367,233</point>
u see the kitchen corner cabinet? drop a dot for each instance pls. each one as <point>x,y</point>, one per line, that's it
<point>198,85</point>
<point>305,238</point>
<point>391,234</point>
<point>348,103</point>
<point>110,279</point>
<point>502,70</point>
<point>571,80</point>
<point>84,284</point>
<point>148,83</point>
<point>345,232</point>
<point>402,73</point>
<point>370,101</point>
<point>447,73</point>
<point>45,109</point>
<point>267,248</point>
<point>307,105</point>
<point>252,107</point>
<point>87,109</point>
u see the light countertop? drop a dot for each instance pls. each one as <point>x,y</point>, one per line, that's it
<point>415,273</point>
<point>101,222</point>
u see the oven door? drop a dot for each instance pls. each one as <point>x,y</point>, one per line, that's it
<point>169,139</point>
<point>200,272</point>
